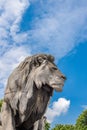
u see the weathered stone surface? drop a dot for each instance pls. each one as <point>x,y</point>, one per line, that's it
<point>0,128</point>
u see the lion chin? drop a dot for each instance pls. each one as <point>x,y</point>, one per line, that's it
<point>57,88</point>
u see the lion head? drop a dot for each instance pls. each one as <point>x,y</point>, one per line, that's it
<point>43,71</point>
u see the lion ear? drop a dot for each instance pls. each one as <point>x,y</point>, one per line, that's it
<point>51,58</point>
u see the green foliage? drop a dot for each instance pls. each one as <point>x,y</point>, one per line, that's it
<point>1,101</point>
<point>81,123</point>
<point>47,126</point>
<point>64,127</point>
<point>58,127</point>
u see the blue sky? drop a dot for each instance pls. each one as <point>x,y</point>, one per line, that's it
<point>58,27</point>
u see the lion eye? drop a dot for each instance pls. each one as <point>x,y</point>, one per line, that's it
<point>54,68</point>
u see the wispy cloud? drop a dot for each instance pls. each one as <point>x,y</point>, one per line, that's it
<point>59,107</point>
<point>60,27</point>
<point>11,14</point>
<point>10,17</point>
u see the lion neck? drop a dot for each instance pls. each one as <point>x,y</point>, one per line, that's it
<point>48,89</point>
<point>42,97</point>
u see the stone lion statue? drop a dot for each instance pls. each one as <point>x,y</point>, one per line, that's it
<point>28,92</point>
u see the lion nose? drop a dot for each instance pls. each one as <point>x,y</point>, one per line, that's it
<point>63,77</point>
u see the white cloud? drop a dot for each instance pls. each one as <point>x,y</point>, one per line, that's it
<point>59,107</point>
<point>61,27</point>
<point>11,14</point>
